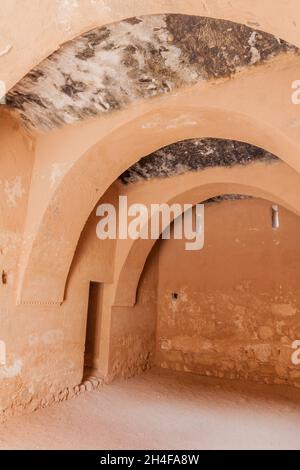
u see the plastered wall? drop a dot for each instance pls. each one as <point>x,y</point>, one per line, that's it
<point>237,310</point>
<point>235,315</point>
<point>237,319</point>
<point>133,329</point>
<point>42,347</point>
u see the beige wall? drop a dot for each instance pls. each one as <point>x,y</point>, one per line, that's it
<point>238,307</point>
<point>76,164</point>
<point>133,329</point>
<point>45,343</point>
<point>50,183</point>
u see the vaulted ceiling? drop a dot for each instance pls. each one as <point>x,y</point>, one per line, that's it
<point>195,155</point>
<point>109,67</point>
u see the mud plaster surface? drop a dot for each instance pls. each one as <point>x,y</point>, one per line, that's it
<point>164,410</point>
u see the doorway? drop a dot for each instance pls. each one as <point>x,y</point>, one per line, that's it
<point>91,353</point>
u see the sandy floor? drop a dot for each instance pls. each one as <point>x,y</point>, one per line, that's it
<point>164,410</point>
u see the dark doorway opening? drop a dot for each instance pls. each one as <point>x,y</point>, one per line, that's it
<point>91,353</point>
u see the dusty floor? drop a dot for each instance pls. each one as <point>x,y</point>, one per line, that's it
<point>164,410</point>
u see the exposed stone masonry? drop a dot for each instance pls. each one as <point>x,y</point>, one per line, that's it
<point>195,155</point>
<point>109,67</point>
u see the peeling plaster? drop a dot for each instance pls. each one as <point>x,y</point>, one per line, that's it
<point>53,337</point>
<point>101,4</point>
<point>255,54</point>
<point>194,155</point>
<point>109,67</point>
<point>183,120</point>
<point>65,10</point>
<point>14,191</point>
<point>228,197</point>
<point>9,372</point>
<point>57,172</point>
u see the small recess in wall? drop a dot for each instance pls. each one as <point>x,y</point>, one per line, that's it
<point>174,296</point>
<point>275,217</point>
<point>4,277</point>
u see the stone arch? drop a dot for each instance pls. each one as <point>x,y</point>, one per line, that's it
<point>48,256</point>
<point>57,212</point>
<point>132,254</point>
